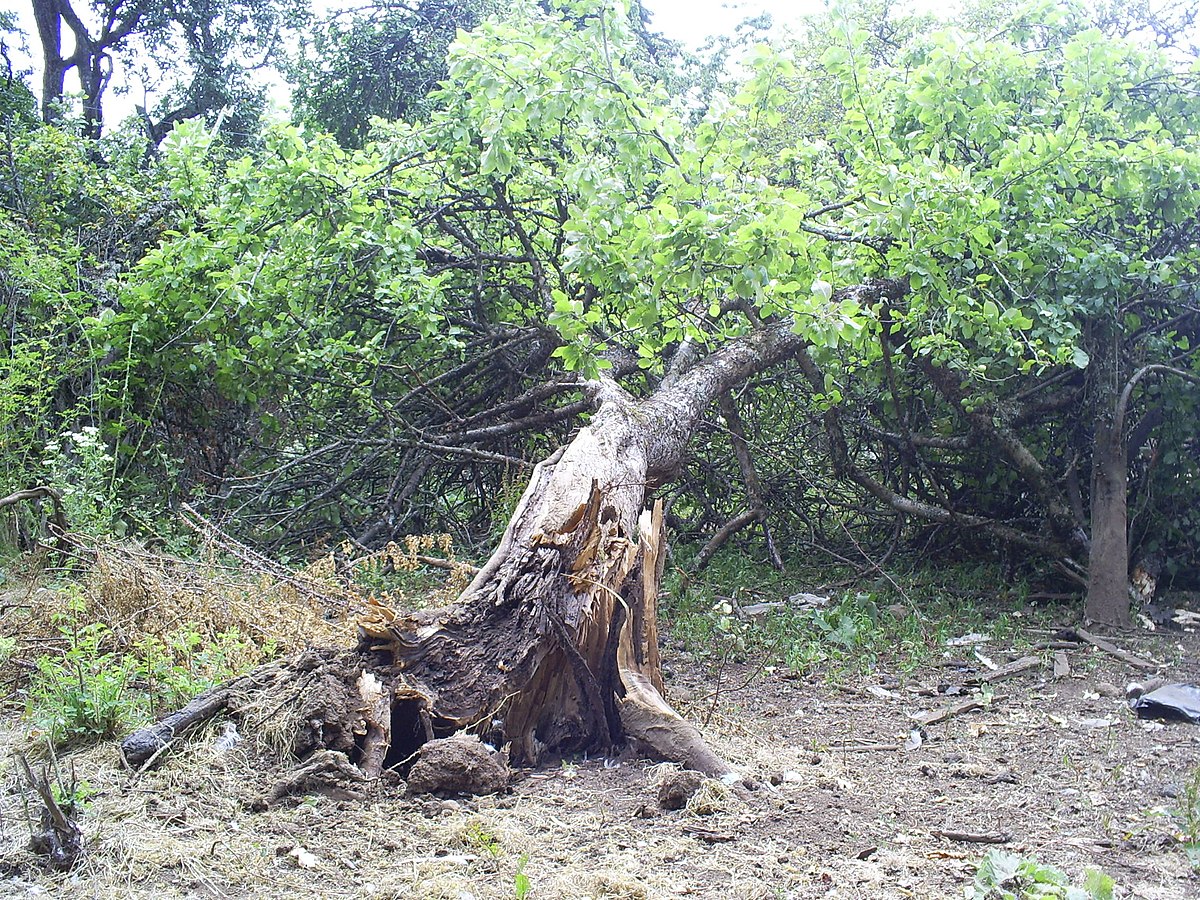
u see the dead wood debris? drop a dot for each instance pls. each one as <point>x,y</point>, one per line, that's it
<point>972,837</point>
<point>56,836</point>
<point>1108,647</point>
<point>935,716</point>
<point>1024,664</point>
<point>1062,665</point>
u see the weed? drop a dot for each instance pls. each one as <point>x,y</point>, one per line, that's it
<point>477,836</point>
<point>82,468</point>
<point>1006,876</point>
<point>89,692</point>
<point>174,668</point>
<point>521,882</point>
<point>82,695</point>
<point>1188,818</point>
<point>857,630</point>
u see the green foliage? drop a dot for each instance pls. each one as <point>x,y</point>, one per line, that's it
<point>1006,876</point>
<point>63,209</point>
<point>173,668</point>
<point>478,837</point>
<point>380,61</point>
<point>82,695</point>
<point>858,630</point>
<point>521,883</point>
<point>82,468</point>
<point>92,692</point>
<point>292,304</point>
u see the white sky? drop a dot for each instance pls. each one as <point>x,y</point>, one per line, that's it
<point>689,21</point>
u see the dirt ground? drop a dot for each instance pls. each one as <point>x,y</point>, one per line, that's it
<point>843,805</point>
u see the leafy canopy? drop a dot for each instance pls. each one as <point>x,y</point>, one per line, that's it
<point>1012,179</point>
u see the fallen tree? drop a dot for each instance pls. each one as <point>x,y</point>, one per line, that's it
<point>553,647</point>
<point>554,191</point>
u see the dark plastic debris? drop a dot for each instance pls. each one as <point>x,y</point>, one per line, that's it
<point>1175,702</point>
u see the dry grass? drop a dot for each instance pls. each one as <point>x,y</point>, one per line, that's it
<point>226,588</point>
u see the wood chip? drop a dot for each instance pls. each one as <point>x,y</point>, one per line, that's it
<point>1062,665</point>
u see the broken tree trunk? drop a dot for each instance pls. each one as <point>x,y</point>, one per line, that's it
<point>553,648</point>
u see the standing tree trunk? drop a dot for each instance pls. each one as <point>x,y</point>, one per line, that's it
<point>1108,589</point>
<point>90,56</point>
<point>1108,558</point>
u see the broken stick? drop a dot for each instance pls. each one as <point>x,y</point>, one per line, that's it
<point>1024,664</point>
<point>946,712</point>
<point>1113,650</point>
<point>973,837</point>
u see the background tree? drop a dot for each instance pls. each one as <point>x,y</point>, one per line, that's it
<point>205,47</point>
<point>382,60</point>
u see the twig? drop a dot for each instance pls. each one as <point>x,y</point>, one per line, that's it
<point>1024,664</point>
<point>948,712</point>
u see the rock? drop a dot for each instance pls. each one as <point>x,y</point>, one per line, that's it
<point>677,789</point>
<point>1108,689</point>
<point>459,765</point>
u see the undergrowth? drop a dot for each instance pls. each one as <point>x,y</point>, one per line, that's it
<point>1006,876</point>
<point>92,690</point>
<point>739,609</point>
<point>133,634</point>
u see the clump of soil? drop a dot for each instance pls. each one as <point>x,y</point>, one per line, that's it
<point>677,788</point>
<point>459,765</point>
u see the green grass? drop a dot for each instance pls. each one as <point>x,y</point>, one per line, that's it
<point>900,621</point>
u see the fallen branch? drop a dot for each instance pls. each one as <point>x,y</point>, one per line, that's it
<point>1024,664</point>
<point>861,747</point>
<point>1113,650</point>
<point>933,717</point>
<point>972,837</point>
<point>58,525</point>
<point>144,746</point>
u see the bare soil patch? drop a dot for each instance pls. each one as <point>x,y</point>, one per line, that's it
<point>842,803</point>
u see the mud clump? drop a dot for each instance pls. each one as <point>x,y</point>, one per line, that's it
<point>459,765</point>
<point>677,789</point>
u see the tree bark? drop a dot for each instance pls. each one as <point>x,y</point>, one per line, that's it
<point>90,57</point>
<point>1108,561</point>
<point>1108,595</point>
